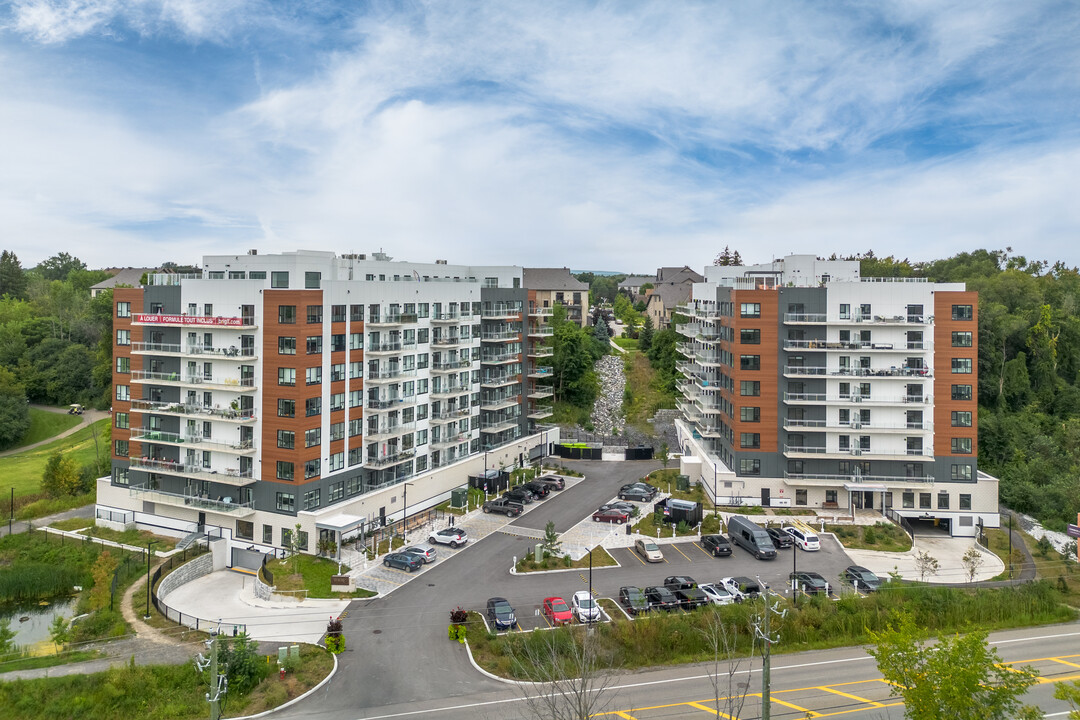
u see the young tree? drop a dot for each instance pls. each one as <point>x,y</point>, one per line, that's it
<point>926,564</point>
<point>568,679</point>
<point>61,476</point>
<point>972,562</point>
<point>960,678</point>
<point>102,573</point>
<point>727,662</point>
<point>646,335</point>
<point>7,635</point>
<point>1070,693</point>
<point>59,631</point>
<point>663,455</point>
<point>551,541</point>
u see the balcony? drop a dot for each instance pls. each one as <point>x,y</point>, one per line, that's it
<point>388,431</point>
<point>388,403</point>
<point>500,335</point>
<point>390,459</point>
<point>228,476</point>
<point>500,358</point>
<point>826,479</point>
<point>501,312</point>
<point>541,413</point>
<point>689,411</point>
<point>500,403</point>
<point>146,348</point>
<point>224,506</point>
<point>445,318</point>
<point>541,330</point>
<point>496,381</point>
<point>451,341</point>
<point>246,322</point>
<point>389,320</point>
<point>383,348</point>
<point>389,375</point>
<point>498,426</point>
<point>541,373</point>
<point>795,451</point>
<point>178,409</point>
<point>859,399</point>
<point>805,318</point>
<point>858,425</point>
<point>193,381</point>
<point>539,392</point>
<point>860,346</point>
<point>537,311</point>
<point>450,441</point>
<point>166,438</point>
<point>444,391</point>
<point>541,351</point>
<point>451,415</point>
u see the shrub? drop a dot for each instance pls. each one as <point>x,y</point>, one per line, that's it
<point>869,536</point>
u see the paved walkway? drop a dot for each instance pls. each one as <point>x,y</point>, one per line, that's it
<point>20,526</point>
<point>948,551</point>
<point>87,417</point>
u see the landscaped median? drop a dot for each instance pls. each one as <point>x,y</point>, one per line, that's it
<point>598,555</point>
<point>309,576</point>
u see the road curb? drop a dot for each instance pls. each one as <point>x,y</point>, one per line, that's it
<point>493,676</point>
<point>298,698</point>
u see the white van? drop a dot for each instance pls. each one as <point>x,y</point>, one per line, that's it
<point>803,536</point>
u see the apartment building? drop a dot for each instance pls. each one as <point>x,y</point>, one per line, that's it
<point>330,391</point>
<point>551,286</point>
<point>807,385</point>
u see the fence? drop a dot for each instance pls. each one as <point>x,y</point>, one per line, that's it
<point>181,618</point>
<point>116,516</point>
<point>902,522</point>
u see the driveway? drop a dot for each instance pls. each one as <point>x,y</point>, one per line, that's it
<point>947,550</point>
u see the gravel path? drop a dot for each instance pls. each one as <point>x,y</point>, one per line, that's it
<point>607,411</point>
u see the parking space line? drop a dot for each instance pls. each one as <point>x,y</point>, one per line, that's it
<point>709,710</point>
<point>1065,662</point>
<point>620,713</point>
<point>849,695</point>
<point>399,572</point>
<point>702,549</point>
<point>1067,678</point>
<point>680,552</point>
<point>636,556</point>
<point>395,584</point>
<point>809,712</point>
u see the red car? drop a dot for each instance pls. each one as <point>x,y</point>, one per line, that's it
<point>557,611</point>
<point>611,515</point>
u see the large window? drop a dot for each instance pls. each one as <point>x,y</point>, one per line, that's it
<point>123,337</point>
<point>749,362</point>
<point>286,502</point>
<point>286,314</point>
<point>750,310</point>
<point>961,392</point>
<point>123,309</point>
<point>123,392</point>
<point>286,408</point>
<point>962,473</point>
<point>965,502</point>
<point>750,440</point>
<point>123,365</point>
<point>909,499</point>
<point>313,406</point>
<point>286,346</point>
<point>312,280</point>
<point>961,446</point>
<point>750,336</point>
<point>313,375</point>
<point>121,421</point>
<point>749,467</point>
<point>962,312</point>
<point>285,471</point>
<point>314,344</point>
<point>750,414</point>
<point>750,388</point>
<point>800,497</point>
<point>120,448</point>
<point>312,437</point>
<point>961,418</point>
<point>286,376</point>
<point>311,468</point>
<point>312,499</point>
<point>961,366</point>
<point>924,501</point>
<point>279,279</point>
<point>962,339</point>
<point>286,439</point>
<point>314,314</point>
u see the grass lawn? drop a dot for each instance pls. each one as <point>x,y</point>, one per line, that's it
<point>882,536</point>
<point>72,524</point>
<point>647,526</point>
<point>38,505</point>
<point>33,662</point>
<point>642,398</point>
<point>136,538</point>
<point>1052,566</point>
<point>626,343</point>
<point>22,471</point>
<point>45,424</point>
<point>313,576</point>
<point>600,558</point>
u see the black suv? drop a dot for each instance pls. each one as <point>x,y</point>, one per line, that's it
<point>633,599</point>
<point>690,598</point>
<point>660,598</point>
<point>809,582</point>
<point>780,538</point>
<point>679,582</point>
<point>716,545</point>
<point>539,489</point>
<point>519,495</point>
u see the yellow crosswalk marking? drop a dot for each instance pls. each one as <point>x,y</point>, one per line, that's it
<point>711,711</point>
<point>850,696</point>
<point>1065,662</point>
<point>809,713</point>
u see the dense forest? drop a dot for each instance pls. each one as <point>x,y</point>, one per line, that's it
<point>55,341</point>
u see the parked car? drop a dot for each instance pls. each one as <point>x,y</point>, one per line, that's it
<point>557,611</point>
<point>555,482</point>
<point>519,494</point>
<point>585,608</point>
<point>741,588</point>
<point>638,493</point>
<point>751,537</point>
<point>803,537</point>
<point>691,598</point>
<point>454,537</point>
<point>426,552</point>
<point>678,582</point>
<point>717,594</point>
<point>660,598</point>
<point>404,561</point>
<point>503,505</point>
<point>780,538</point>
<point>625,507</point>
<point>810,582</point>
<point>716,545</point>
<point>648,550</point>
<point>633,599</point>
<point>539,489</point>
<point>500,614</point>
<point>640,484</point>
<point>862,578</point>
<point>612,515</point>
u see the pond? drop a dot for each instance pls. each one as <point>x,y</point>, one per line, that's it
<point>35,628</point>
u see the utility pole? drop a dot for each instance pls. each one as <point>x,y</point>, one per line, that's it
<point>763,632</point>
<point>215,705</point>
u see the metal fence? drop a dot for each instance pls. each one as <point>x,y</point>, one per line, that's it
<point>182,618</point>
<point>902,522</point>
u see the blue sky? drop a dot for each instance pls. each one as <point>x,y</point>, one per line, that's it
<point>594,135</point>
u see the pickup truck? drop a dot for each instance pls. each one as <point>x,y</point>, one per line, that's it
<point>502,505</point>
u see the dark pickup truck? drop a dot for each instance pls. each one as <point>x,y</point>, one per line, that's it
<point>502,505</point>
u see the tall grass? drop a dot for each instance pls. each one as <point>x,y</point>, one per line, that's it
<point>36,581</point>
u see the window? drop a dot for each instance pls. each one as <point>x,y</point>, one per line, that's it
<point>749,467</point>
<point>286,408</point>
<point>924,501</point>
<point>286,376</point>
<point>312,437</point>
<point>337,372</point>
<point>123,365</point>
<point>337,491</point>
<point>123,392</point>
<point>845,311</point>
<point>314,375</point>
<point>123,337</point>
<point>337,313</point>
<point>120,448</point>
<point>356,341</point>
<point>313,406</point>
<point>961,366</point>
<point>961,339</point>
<point>965,502</point>
<point>245,530</point>
<point>121,421</point>
<point>356,427</point>
<point>750,337</point>
<point>749,362</point>
<point>286,439</point>
<point>286,537</point>
<point>800,497</point>
<point>337,461</point>
<point>962,312</point>
<point>257,275</point>
<point>311,468</point>
<point>312,280</point>
<point>314,345</point>
<point>355,458</point>
<point>750,414</point>
<point>284,471</point>
<point>750,310</point>
<point>286,346</point>
<point>795,467</point>
<point>123,309</point>
<point>943,501</point>
<point>961,418</point>
<point>314,314</point>
<point>830,496</point>
<point>337,342</point>
<point>750,440</point>
<point>356,370</point>
<point>961,446</point>
<point>422,335</point>
<point>287,503</point>
<point>286,314</point>
<point>352,485</point>
<point>279,279</point>
<point>337,431</point>
<point>337,401</point>
<point>268,534</point>
<point>356,398</point>
<point>750,388</point>
<point>312,499</point>
<point>909,499</point>
<point>960,472</point>
<point>961,392</point>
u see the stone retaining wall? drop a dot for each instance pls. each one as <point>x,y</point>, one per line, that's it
<point>197,568</point>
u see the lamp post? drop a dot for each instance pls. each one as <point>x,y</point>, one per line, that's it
<point>148,552</point>
<point>405,511</point>
<point>714,504</point>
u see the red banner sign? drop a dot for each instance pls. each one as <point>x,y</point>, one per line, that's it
<point>189,320</point>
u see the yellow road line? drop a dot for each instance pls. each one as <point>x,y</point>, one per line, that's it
<point>636,556</point>
<point>1067,678</point>
<point>809,712</point>
<point>680,552</point>
<point>621,714</point>
<point>711,711</point>
<point>1065,662</point>
<point>702,549</point>
<point>855,710</point>
<point>849,695</point>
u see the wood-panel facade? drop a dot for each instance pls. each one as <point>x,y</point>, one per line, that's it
<point>945,377</point>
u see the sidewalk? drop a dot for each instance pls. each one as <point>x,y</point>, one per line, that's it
<point>948,551</point>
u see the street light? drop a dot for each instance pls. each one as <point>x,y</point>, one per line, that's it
<point>405,511</point>
<point>148,552</point>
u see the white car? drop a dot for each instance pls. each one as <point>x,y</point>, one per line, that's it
<point>425,551</point>
<point>454,537</point>
<point>717,594</point>
<point>584,607</point>
<point>803,538</point>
